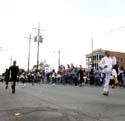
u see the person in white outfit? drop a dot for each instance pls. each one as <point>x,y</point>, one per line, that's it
<point>106,64</point>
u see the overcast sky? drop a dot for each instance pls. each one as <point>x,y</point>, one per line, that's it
<point>68,24</point>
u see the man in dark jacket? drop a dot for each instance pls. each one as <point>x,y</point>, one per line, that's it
<point>13,75</point>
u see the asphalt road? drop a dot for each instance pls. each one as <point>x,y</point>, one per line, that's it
<point>61,103</point>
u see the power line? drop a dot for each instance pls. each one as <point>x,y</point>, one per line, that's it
<point>114,30</point>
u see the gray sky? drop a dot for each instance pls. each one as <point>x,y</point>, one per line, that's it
<point>68,24</point>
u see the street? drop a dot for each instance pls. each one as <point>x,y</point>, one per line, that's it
<point>61,103</point>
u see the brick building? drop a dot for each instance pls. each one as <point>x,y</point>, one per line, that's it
<point>98,54</point>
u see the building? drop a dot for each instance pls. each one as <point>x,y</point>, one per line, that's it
<point>98,54</point>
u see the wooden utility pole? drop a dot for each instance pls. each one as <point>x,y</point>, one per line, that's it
<point>92,52</point>
<point>38,39</point>
<point>58,58</point>
<point>28,68</point>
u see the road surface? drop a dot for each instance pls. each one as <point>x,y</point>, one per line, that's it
<point>61,103</point>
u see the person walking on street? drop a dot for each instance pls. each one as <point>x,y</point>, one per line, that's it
<point>7,78</point>
<point>13,75</point>
<point>106,64</point>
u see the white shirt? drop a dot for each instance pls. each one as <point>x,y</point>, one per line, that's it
<point>106,61</point>
<point>114,73</point>
<point>114,61</point>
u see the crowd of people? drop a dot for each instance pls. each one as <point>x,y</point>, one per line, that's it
<point>77,76</point>
<point>80,76</point>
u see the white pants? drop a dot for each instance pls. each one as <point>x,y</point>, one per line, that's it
<point>107,72</point>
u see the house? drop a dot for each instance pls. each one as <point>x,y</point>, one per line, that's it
<point>94,57</point>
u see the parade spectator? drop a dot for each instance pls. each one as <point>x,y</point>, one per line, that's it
<point>53,76</point>
<point>97,77</point>
<point>123,79</point>
<point>80,76</point>
<point>91,76</point>
<point>22,79</point>
<point>120,72</point>
<point>75,77</point>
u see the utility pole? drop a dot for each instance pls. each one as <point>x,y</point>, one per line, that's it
<point>29,52</point>
<point>11,60</point>
<point>38,39</point>
<point>59,58</point>
<point>92,52</point>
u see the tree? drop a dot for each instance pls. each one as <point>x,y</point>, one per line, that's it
<point>41,66</point>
